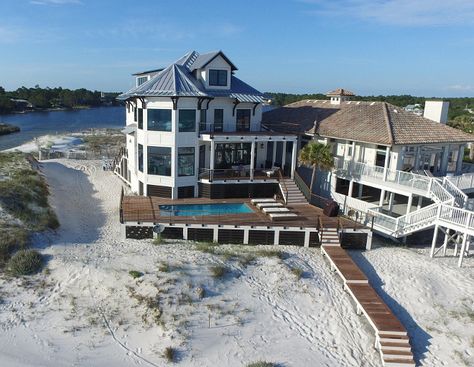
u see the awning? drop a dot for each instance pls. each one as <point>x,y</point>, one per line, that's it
<point>130,129</point>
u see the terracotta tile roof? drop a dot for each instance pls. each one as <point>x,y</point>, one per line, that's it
<point>372,122</point>
<point>340,92</point>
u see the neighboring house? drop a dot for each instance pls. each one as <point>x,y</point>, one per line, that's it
<point>416,108</point>
<point>194,129</point>
<point>385,160</point>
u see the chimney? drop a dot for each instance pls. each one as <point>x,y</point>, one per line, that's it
<point>436,111</point>
<point>340,95</point>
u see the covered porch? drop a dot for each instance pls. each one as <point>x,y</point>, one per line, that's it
<point>246,156</point>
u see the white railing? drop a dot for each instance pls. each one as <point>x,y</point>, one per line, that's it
<point>460,198</point>
<point>463,182</point>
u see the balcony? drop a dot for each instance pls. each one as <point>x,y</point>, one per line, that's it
<point>238,174</point>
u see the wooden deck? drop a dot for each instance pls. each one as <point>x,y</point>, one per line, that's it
<point>146,210</point>
<point>344,265</point>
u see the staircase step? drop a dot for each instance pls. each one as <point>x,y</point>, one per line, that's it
<point>395,362</point>
<point>397,354</point>
<point>401,335</point>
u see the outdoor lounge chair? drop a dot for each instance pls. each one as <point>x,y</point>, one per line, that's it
<point>283,216</point>
<point>263,200</point>
<point>269,205</point>
<point>275,210</point>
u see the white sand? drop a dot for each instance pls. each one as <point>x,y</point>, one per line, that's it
<point>82,313</point>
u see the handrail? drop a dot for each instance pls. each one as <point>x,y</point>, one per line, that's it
<point>456,192</point>
<point>283,188</point>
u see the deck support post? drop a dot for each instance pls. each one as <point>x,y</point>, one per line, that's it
<point>185,233</point>
<point>351,188</point>
<point>306,238</point>
<point>211,159</point>
<point>276,237</point>
<point>246,236</point>
<point>215,234</point>
<point>361,188</point>
<point>382,197</point>
<point>283,158</point>
<point>368,242</point>
<point>433,244</point>
<point>463,249</point>
<point>420,202</point>
<point>274,153</point>
<point>252,160</point>
<point>409,204</point>
<point>390,202</point>
<point>446,240</point>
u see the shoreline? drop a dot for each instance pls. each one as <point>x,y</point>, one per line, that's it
<point>58,109</point>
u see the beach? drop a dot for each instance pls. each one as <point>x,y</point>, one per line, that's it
<point>87,309</point>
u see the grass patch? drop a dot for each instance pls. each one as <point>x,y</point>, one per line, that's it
<point>164,268</point>
<point>158,240</point>
<point>135,274</point>
<point>218,271</point>
<point>207,247</point>
<point>25,262</point>
<point>170,354</point>
<point>271,253</point>
<point>12,239</point>
<point>261,364</point>
<point>298,272</point>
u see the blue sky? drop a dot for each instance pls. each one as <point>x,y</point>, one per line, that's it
<point>419,47</point>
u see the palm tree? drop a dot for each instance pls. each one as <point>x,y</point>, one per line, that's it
<point>317,156</point>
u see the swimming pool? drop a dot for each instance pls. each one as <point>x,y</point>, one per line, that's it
<point>204,209</point>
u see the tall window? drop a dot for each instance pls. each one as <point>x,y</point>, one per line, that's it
<point>218,78</point>
<point>186,161</point>
<point>202,120</point>
<point>187,120</point>
<point>140,118</point>
<point>140,157</point>
<point>218,119</point>
<point>232,154</point>
<point>159,120</point>
<point>141,80</point>
<point>243,120</point>
<point>159,161</point>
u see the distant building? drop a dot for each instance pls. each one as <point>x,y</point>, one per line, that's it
<point>416,108</point>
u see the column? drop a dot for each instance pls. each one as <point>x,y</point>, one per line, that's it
<point>252,159</point>
<point>211,160</point>
<point>368,243</point>
<point>361,188</point>
<point>417,158</point>
<point>387,161</point>
<point>283,157</point>
<point>420,202</point>
<point>459,161</point>
<point>294,152</point>
<point>390,202</point>
<point>382,197</point>
<point>444,160</point>
<point>274,153</point>
<point>351,188</point>
<point>410,201</point>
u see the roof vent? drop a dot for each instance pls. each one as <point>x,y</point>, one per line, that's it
<point>372,103</point>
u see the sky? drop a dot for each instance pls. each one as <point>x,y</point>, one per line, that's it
<point>372,47</point>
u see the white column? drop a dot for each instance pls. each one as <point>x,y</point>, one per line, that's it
<point>417,158</point>
<point>212,156</point>
<point>274,153</point>
<point>252,159</point>
<point>444,161</point>
<point>460,158</point>
<point>463,249</point>
<point>382,197</point>
<point>390,202</point>
<point>433,244</point>
<point>368,243</point>
<point>410,201</point>
<point>294,152</point>
<point>361,188</point>
<point>420,202</point>
<point>387,161</point>
<point>283,157</point>
<point>351,188</point>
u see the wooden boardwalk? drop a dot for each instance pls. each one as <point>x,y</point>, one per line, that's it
<point>391,338</point>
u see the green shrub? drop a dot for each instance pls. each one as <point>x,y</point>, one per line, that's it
<point>164,267</point>
<point>261,364</point>
<point>208,247</point>
<point>25,262</point>
<point>158,240</point>
<point>135,274</point>
<point>271,253</point>
<point>12,238</point>
<point>298,272</point>
<point>170,354</point>
<point>218,271</point>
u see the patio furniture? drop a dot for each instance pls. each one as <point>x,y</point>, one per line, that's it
<point>267,210</point>
<point>267,205</point>
<point>263,200</point>
<point>282,216</point>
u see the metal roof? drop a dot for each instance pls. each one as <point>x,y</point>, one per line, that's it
<point>204,59</point>
<point>177,80</point>
<point>147,72</point>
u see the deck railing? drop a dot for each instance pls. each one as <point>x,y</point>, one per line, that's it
<point>236,174</point>
<point>283,188</point>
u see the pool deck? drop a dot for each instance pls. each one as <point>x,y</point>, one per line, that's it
<point>142,209</point>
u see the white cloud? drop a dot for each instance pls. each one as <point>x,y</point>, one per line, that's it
<point>461,87</point>
<point>399,12</point>
<point>55,2</point>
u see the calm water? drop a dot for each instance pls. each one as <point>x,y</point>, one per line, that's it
<point>35,124</point>
<point>205,209</point>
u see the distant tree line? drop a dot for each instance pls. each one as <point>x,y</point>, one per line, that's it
<point>457,106</point>
<point>42,98</point>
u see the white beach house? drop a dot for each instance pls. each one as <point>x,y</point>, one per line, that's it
<point>399,172</point>
<point>194,129</point>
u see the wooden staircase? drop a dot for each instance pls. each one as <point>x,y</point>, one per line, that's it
<point>395,349</point>
<point>294,194</point>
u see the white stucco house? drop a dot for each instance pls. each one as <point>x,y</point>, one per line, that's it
<point>194,129</point>
<point>399,172</point>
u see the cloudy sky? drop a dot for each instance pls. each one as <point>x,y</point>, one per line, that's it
<point>419,47</point>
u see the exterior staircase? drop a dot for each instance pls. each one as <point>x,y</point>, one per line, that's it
<point>293,194</point>
<point>395,350</point>
<point>329,237</point>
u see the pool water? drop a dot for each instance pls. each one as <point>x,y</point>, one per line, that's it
<point>204,209</point>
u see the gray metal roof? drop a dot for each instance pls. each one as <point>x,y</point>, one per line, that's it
<point>204,59</point>
<point>177,80</point>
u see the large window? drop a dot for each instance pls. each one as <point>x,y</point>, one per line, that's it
<point>140,157</point>
<point>232,154</point>
<point>159,161</point>
<point>218,78</point>
<point>187,120</point>
<point>140,118</point>
<point>159,120</point>
<point>186,161</point>
<point>243,120</point>
<point>218,119</point>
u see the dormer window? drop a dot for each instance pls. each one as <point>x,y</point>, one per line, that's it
<point>217,78</point>
<point>141,80</point>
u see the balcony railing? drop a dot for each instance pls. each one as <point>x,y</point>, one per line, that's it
<point>237,174</point>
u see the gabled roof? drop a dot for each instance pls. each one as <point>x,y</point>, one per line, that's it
<point>177,80</point>
<point>371,122</point>
<point>147,72</point>
<point>340,92</point>
<point>204,59</point>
